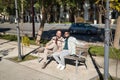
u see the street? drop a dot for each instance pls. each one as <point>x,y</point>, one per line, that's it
<point>50,29</point>
<point>27,27</point>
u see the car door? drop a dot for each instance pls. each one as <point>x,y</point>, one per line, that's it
<point>81,28</point>
<point>75,28</point>
<point>88,28</point>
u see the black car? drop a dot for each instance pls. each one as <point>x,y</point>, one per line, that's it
<point>85,28</point>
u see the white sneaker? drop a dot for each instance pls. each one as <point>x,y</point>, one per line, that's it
<point>62,67</point>
<point>59,66</point>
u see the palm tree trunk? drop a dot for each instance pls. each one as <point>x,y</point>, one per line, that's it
<point>117,35</point>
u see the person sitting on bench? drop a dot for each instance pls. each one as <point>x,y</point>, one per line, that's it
<point>54,45</point>
<point>69,48</point>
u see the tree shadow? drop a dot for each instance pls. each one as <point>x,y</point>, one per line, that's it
<point>5,42</point>
<point>6,51</point>
<point>67,61</point>
<point>96,65</point>
<point>50,59</point>
<point>3,30</point>
<point>33,51</point>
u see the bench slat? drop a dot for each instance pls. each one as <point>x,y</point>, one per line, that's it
<point>75,58</point>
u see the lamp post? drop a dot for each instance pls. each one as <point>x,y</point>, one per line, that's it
<point>106,45</point>
<point>18,32</point>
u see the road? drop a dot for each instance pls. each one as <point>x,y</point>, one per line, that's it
<point>27,27</point>
<point>49,30</point>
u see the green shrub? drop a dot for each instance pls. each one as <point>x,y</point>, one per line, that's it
<point>25,40</point>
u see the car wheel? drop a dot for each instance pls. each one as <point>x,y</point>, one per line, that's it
<point>89,32</point>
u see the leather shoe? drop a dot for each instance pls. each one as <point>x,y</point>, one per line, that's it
<point>44,65</point>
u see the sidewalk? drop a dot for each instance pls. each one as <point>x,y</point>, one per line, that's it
<point>31,70</point>
<point>13,71</point>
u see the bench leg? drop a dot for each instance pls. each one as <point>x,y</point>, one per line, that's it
<point>76,66</point>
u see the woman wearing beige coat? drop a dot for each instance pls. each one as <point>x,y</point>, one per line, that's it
<point>54,45</point>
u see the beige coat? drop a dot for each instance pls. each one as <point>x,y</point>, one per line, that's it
<point>58,46</point>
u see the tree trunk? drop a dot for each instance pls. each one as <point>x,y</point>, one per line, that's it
<point>100,18</point>
<point>117,34</point>
<point>40,31</point>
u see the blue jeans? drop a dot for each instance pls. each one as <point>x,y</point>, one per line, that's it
<point>59,56</point>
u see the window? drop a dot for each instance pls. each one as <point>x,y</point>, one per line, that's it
<point>87,24</point>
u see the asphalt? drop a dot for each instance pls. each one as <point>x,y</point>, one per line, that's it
<point>26,28</point>
<point>31,70</point>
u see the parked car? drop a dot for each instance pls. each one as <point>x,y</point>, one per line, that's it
<point>85,28</point>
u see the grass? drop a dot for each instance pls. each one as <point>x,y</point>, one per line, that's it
<point>61,22</point>
<point>14,38</point>
<point>42,41</point>
<point>110,78</point>
<point>99,51</point>
<point>9,37</point>
<point>24,58</point>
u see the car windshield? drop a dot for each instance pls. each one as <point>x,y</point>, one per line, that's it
<point>78,25</point>
<point>87,24</point>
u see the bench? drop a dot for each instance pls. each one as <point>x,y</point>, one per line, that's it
<point>79,57</point>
